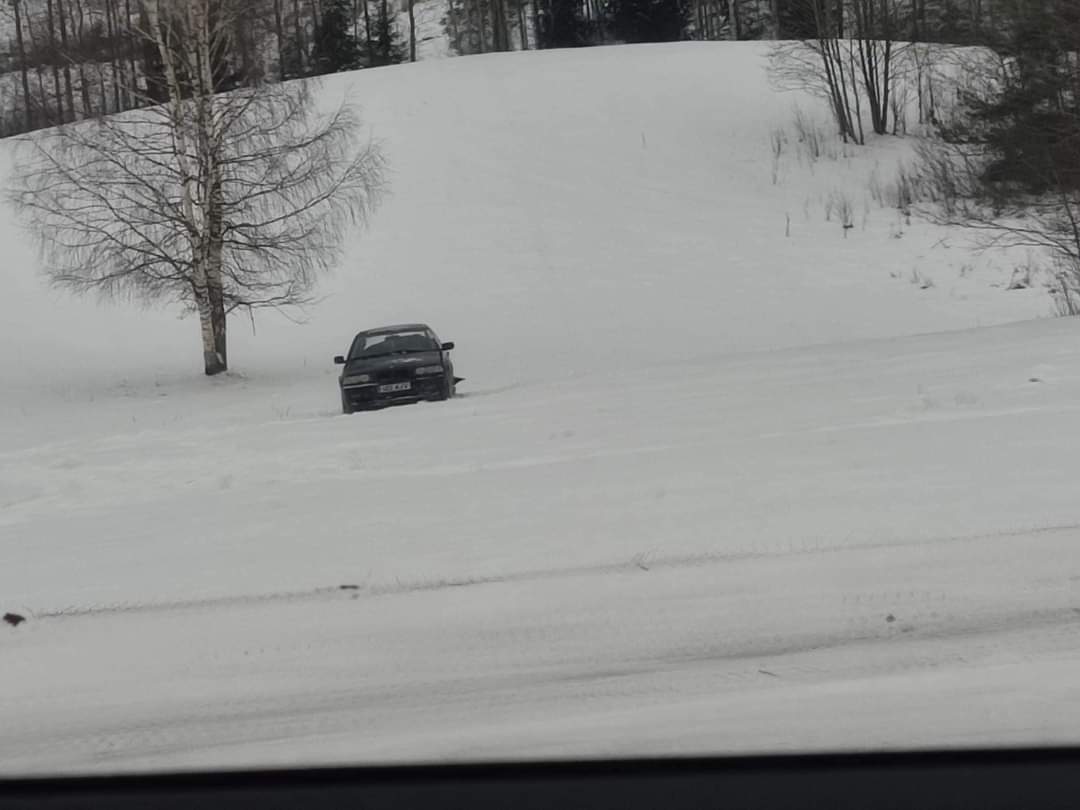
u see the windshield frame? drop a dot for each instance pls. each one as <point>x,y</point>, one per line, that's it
<point>359,348</point>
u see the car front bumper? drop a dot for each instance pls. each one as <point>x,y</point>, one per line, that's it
<point>368,395</point>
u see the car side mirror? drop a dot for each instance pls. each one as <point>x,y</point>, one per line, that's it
<point>339,360</point>
<point>448,346</point>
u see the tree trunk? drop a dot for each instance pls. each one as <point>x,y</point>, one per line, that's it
<point>316,20</point>
<point>976,22</point>
<point>537,42</point>
<point>28,111</point>
<point>211,328</point>
<point>111,31</point>
<point>197,205</point>
<point>80,56</point>
<point>43,94</point>
<point>482,29</point>
<point>452,12</point>
<point>500,40</point>
<point>384,32</point>
<point>54,59</point>
<point>733,19</point>
<point>861,135</point>
<point>103,90</point>
<point>42,103</point>
<point>412,33</point>
<point>69,91</point>
<point>133,72</point>
<point>279,33</point>
<point>214,279</point>
<point>874,44</point>
<point>367,29</point>
<point>212,200</point>
<point>250,65</point>
<point>523,26</point>
<point>299,38</point>
<point>470,10</point>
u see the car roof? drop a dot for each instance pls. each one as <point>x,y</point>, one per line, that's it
<point>401,327</point>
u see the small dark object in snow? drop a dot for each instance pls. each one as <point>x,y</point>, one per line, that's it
<point>348,587</point>
<point>1034,379</point>
<point>14,619</point>
<point>890,618</point>
<point>770,674</point>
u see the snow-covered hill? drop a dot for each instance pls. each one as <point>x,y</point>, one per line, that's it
<point>726,475</point>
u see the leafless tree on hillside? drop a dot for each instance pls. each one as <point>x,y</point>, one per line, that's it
<point>215,201</point>
<point>851,61</point>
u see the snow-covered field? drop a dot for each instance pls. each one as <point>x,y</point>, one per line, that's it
<point>725,476</point>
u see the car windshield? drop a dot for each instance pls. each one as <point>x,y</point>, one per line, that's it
<point>382,343</point>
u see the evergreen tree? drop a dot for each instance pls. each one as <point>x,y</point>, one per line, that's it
<point>335,47</point>
<point>1031,127</point>
<point>795,19</point>
<point>649,20</point>
<point>386,46</point>
<point>563,25</point>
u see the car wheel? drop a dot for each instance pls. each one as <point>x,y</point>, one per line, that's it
<point>346,406</point>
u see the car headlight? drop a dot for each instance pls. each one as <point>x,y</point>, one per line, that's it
<point>356,378</point>
<point>429,370</point>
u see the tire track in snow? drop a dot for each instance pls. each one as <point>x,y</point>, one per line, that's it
<point>364,709</point>
<point>640,563</point>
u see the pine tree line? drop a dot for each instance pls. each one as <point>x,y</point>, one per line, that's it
<point>481,26</point>
<point>72,59</point>
<point>68,60</point>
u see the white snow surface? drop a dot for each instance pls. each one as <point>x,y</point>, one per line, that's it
<point>708,487</point>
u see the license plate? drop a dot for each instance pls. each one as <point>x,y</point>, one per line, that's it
<point>391,387</point>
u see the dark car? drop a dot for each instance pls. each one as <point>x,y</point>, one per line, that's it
<point>395,364</point>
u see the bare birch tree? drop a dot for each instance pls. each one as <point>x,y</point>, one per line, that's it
<point>214,201</point>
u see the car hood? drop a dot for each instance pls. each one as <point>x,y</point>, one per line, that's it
<point>392,362</point>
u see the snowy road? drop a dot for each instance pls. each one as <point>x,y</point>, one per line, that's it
<point>851,649</point>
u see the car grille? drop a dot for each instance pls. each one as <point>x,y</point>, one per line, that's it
<point>429,387</point>
<point>394,375</point>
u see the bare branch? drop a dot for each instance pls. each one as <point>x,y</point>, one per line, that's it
<point>219,202</point>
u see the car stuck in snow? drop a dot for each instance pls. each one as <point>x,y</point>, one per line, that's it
<point>393,365</point>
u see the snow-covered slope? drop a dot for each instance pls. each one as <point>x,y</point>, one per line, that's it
<point>725,474</point>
